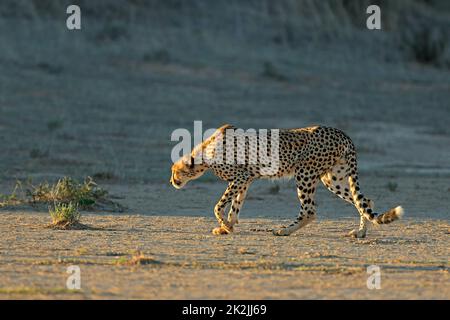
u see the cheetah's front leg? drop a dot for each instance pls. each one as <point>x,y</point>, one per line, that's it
<point>236,205</point>
<point>219,209</point>
<point>235,194</point>
<point>219,212</point>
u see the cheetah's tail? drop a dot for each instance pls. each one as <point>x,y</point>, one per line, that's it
<point>389,216</point>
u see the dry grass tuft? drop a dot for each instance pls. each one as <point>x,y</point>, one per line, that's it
<point>137,258</point>
<point>68,190</point>
<point>65,217</point>
<point>10,199</point>
<point>86,195</point>
<point>392,186</point>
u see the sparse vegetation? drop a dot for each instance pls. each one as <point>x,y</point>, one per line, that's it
<point>275,189</point>
<point>10,199</point>
<point>137,258</point>
<point>86,195</point>
<point>104,175</point>
<point>392,186</point>
<point>161,56</point>
<point>37,291</point>
<point>112,32</point>
<point>54,125</point>
<point>68,190</point>
<point>243,250</point>
<point>81,251</point>
<point>425,45</point>
<point>64,216</point>
<point>36,153</point>
<point>272,72</point>
<point>49,68</point>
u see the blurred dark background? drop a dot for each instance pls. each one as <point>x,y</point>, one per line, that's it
<point>103,100</point>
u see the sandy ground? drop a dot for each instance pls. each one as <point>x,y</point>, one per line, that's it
<point>185,261</point>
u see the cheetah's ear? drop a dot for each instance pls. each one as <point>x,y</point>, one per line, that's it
<point>191,164</point>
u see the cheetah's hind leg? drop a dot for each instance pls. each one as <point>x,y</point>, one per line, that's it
<point>306,189</point>
<point>336,180</point>
<point>362,231</point>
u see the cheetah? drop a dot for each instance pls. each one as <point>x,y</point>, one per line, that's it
<point>305,154</point>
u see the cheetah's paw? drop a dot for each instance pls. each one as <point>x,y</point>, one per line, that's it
<point>357,234</point>
<point>281,232</point>
<point>221,230</point>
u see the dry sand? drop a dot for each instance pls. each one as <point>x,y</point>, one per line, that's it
<point>183,260</point>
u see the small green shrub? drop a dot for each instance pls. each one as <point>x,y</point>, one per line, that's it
<point>54,125</point>
<point>161,56</point>
<point>85,195</point>
<point>270,71</point>
<point>36,153</point>
<point>113,31</point>
<point>392,186</point>
<point>104,175</point>
<point>64,215</point>
<point>426,45</point>
<point>10,199</point>
<point>275,189</point>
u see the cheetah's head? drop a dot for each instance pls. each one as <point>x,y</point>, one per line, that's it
<point>185,170</point>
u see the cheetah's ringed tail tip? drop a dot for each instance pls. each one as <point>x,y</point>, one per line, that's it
<point>399,212</point>
<point>389,216</point>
